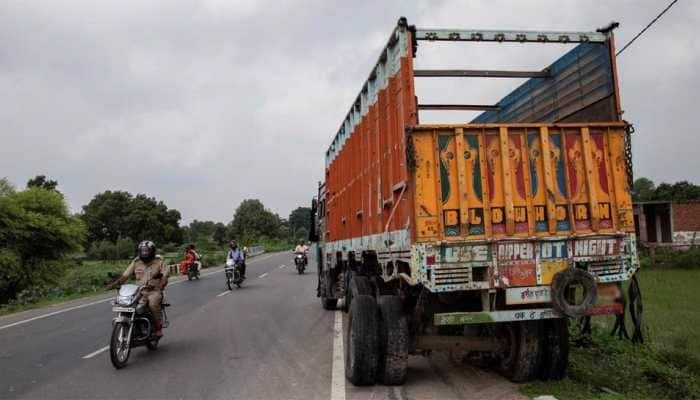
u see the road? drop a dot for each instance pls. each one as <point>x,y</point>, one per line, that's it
<point>269,340</point>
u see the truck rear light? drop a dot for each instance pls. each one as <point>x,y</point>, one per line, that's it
<point>430,260</point>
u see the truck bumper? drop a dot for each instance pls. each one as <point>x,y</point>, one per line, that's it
<point>483,317</point>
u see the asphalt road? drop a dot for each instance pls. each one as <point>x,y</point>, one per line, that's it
<point>269,340</point>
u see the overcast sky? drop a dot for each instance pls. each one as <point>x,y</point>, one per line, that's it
<point>204,103</point>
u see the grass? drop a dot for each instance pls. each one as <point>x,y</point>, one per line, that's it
<point>667,366</point>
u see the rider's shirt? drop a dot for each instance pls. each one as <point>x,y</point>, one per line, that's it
<point>143,272</point>
<point>235,255</point>
<point>300,249</point>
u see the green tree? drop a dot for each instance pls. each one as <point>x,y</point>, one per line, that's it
<point>201,230</point>
<point>114,215</point>
<point>643,189</point>
<point>679,191</point>
<point>252,221</point>
<point>36,232</point>
<point>40,181</point>
<point>220,234</point>
<point>300,218</point>
<point>6,187</point>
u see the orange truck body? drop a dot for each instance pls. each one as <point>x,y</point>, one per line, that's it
<point>539,182</point>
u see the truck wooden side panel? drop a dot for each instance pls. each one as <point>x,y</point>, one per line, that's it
<point>479,182</point>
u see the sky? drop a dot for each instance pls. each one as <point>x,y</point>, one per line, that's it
<point>204,103</point>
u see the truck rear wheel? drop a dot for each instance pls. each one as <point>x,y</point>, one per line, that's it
<point>329,304</point>
<point>555,348</point>
<point>520,357</point>
<point>359,285</point>
<point>393,341</point>
<point>362,342</point>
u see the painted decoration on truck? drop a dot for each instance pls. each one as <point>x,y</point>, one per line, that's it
<point>538,186</point>
<point>515,158</point>
<point>516,264</point>
<point>561,193</point>
<point>474,191</point>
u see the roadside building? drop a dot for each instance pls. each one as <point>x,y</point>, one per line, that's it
<point>668,224</point>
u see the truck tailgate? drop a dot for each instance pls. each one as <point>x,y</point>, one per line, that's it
<point>493,181</point>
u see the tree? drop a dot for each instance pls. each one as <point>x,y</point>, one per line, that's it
<point>679,191</point>
<point>6,187</point>
<point>643,189</point>
<point>252,221</point>
<point>300,218</point>
<point>40,181</point>
<point>220,234</point>
<point>114,215</point>
<point>201,230</point>
<point>36,232</point>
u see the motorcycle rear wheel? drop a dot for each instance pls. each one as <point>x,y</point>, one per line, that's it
<point>152,344</point>
<point>117,354</point>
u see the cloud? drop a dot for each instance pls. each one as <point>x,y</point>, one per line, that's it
<point>204,103</point>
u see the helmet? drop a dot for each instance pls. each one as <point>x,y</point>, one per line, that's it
<point>190,246</point>
<point>147,251</point>
<point>233,244</point>
<point>301,243</point>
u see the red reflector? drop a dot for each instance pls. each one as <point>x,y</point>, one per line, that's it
<point>430,260</point>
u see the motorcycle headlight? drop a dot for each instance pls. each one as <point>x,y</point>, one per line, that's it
<point>125,300</point>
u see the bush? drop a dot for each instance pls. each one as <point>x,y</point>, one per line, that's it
<point>123,249</point>
<point>36,232</point>
<point>669,258</point>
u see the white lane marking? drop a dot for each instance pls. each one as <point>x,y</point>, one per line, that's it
<point>96,352</point>
<point>55,313</point>
<point>51,314</point>
<point>338,376</point>
<point>281,266</point>
<point>263,275</point>
<point>223,294</point>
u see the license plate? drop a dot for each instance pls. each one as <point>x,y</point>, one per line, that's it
<point>123,309</point>
<point>529,295</point>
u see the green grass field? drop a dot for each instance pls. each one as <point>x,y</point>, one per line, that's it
<point>667,366</point>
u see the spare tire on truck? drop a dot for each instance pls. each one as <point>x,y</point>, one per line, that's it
<point>561,298</point>
<point>521,353</point>
<point>393,340</point>
<point>362,342</point>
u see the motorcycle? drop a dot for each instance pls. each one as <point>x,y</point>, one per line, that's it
<point>300,262</point>
<point>133,326</point>
<point>233,273</point>
<point>193,270</point>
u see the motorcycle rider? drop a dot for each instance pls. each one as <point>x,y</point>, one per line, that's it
<point>151,274</point>
<point>236,254</point>
<point>191,257</point>
<point>302,249</point>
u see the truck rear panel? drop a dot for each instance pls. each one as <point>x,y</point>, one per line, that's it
<point>536,184</point>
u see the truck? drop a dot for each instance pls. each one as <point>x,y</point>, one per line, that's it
<point>484,237</point>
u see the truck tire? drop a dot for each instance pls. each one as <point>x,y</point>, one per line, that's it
<point>329,304</point>
<point>362,342</point>
<point>555,348</point>
<point>393,341</point>
<point>359,285</point>
<point>520,359</point>
<point>380,287</point>
<point>560,297</point>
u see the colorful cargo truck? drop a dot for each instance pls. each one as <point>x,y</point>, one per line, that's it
<point>483,237</point>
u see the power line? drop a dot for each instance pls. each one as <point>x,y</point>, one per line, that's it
<point>646,27</point>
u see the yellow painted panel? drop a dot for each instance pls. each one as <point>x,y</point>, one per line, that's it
<point>549,269</point>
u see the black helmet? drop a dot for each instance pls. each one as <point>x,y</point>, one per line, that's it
<point>232,244</point>
<point>147,251</point>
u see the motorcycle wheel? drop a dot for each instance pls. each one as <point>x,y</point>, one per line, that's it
<point>228,282</point>
<point>117,353</point>
<point>152,345</point>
